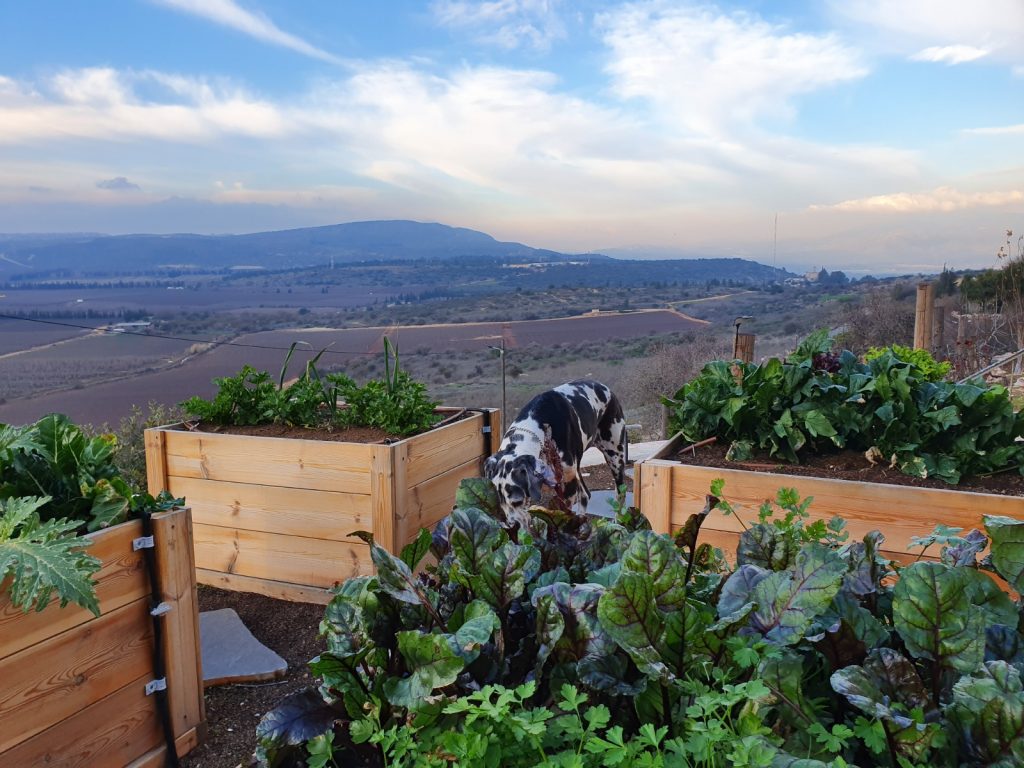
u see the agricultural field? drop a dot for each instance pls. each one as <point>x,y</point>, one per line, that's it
<point>19,335</point>
<point>455,360</point>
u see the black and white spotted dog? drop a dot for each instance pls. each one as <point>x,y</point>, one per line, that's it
<point>576,415</point>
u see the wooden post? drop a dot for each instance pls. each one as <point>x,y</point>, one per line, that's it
<point>745,347</point>
<point>929,310</point>
<point>922,333</point>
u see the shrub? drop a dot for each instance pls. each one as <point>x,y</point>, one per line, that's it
<point>563,641</point>
<point>819,401</point>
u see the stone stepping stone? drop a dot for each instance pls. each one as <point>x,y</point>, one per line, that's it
<point>231,654</point>
<point>601,502</point>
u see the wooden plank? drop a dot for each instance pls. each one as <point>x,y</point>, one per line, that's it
<point>383,493</point>
<point>656,494</point>
<point>295,559</point>
<point>280,590</point>
<point>430,501</point>
<point>900,512</point>
<point>289,511</point>
<point>437,451</point>
<point>54,679</point>
<point>109,733</point>
<point>172,532</point>
<point>156,461</point>
<point>291,463</point>
<point>184,744</point>
<point>121,580</point>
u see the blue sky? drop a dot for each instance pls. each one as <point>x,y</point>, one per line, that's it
<point>887,135</point>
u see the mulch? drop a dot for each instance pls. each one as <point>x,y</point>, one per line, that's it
<point>233,711</point>
<point>851,465</point>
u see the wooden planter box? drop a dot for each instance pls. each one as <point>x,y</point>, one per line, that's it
<point>275,515</point>
<point>669,492</point>
<point>72,686</point>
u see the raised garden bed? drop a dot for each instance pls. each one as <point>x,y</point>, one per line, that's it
<point>669,491</point>
<point>72,686</point>
<point>275,515</point>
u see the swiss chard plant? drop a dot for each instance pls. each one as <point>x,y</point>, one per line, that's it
<point>818,401</point>
<point>57,483</point>
<point>566,641</point>
<point>397,404</point>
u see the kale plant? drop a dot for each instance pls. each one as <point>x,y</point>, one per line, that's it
<point>818,402</point>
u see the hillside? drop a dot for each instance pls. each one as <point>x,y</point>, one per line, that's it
<point>28,256</point>
<point>357,241</point>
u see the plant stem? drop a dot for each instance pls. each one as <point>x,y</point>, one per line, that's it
<point>893,756</point>
<point>666,705</point>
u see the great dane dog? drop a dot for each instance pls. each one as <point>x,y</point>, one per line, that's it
<point>575,416</point>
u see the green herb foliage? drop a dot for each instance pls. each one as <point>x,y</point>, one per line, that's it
<point>397,404</point>
<point>888,406</point>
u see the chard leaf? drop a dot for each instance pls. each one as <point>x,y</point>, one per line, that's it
<point>932,612</point>
<point>473,537</point>
<point>788,601</point>
<point>480,622</point>
<point>738,589</point>
<point>852,632</point>
<point>506,573</point>
<point>605,576</point>
<point>609,673</point>
<point>984,593</point>
<point>866,566</point>
<point>1007,537</point>
<point>582,633</point>
<point>1004,643</point>
<point>417,549</point>
<point>766,546</point>
<point>989,708</point>
<point>432,663</point>
<point>478,493</point>
<point>886,679</point>
<point>783,675</point>
<point>629,614</point>
<point>964,553</point>
<point>656,556</point>
<point>818,425</point>
<point>395,577</point>
<point>300,717</point>
<point>550,626</point>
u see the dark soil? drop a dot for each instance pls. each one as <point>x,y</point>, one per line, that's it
<point>349,435</point>
<point>233,711</point>
<point>851,465</point>
<point>599,478</point>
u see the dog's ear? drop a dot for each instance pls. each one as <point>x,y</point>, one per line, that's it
<point>490,467</point>
<point>535,480</point>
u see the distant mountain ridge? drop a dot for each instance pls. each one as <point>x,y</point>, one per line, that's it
<point>284,249</point>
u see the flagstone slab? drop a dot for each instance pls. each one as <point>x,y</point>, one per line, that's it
<point>231,654</point>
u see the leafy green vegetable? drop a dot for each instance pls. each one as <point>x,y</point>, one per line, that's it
<point>892,404</point>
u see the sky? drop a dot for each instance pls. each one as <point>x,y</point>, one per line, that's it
<point>864,135</point>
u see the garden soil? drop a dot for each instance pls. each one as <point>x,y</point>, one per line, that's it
<point>851,465</point>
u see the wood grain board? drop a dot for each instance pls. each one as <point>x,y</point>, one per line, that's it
<point>72,686</point>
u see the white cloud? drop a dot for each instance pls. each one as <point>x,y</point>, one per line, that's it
<point>998,130</point>
<point>950,54</point>
<point>704,69</point>
<point>943,199</point>
<point>907,26</point>
<point>509,24</point>
<point>255,24</point>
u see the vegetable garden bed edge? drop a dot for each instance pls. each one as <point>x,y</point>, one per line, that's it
<point>73,685</point>
<point>275,515</point>
<point>669,491</point>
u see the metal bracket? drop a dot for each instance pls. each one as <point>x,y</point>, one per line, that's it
<point>156,685</point>
<point>486,430</point>
<point>161,609</point>
<point>143,542</point>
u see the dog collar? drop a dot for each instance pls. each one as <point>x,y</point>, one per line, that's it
<point>540,438</point>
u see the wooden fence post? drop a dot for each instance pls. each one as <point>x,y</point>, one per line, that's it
<point>939,331</point>
<point>745,347</point>
<point>923,316</point>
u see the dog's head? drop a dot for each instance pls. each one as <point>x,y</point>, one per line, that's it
<point>518,479</point>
